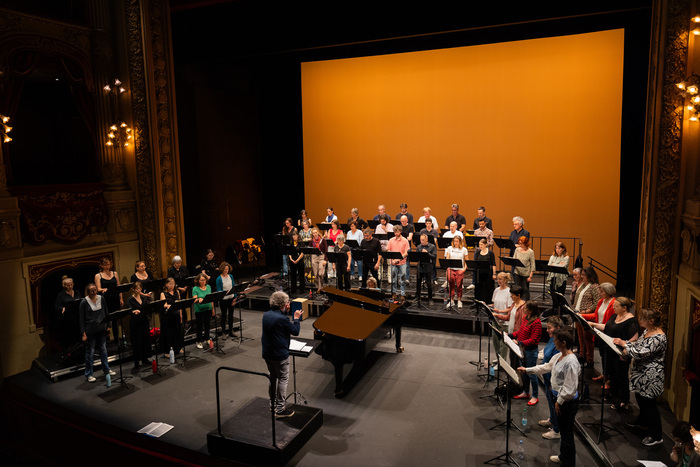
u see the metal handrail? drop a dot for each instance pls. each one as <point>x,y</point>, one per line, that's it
<point>218,399</point>
<point>602,267</point>
<point>572,252</point>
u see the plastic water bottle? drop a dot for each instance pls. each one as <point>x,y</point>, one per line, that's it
<point>521,449</point>
<point>172,355</point>
<point>524,419</point>
<point>154,364</point>
<point>108,377</point>
<point>491,372</point>
<point>486,363</point>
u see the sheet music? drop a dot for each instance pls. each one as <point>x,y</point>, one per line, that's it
<point>156,429</point>
<point>608,340</point>
<point>513,346</point>
<point>299,346</point>
<point>514,375</point>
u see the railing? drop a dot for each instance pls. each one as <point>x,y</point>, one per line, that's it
<point>218,400</point>
<point>573,247</point>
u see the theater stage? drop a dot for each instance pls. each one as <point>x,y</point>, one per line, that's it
<point>421,407</point>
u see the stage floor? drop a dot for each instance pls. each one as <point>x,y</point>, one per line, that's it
<point>421,407</point>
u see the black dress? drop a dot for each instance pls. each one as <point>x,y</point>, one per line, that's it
<point>112,298</point>
<point>483,278</point>
<point>615,368</point>
<point>170,332</point>
<point>296,270</point>
<point>341,268</point>
<point>140,327</point>
<point>64,325</point>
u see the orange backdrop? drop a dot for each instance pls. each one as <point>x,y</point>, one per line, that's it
<point>528,128</point>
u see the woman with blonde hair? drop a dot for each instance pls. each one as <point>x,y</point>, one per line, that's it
<point>318,262</point>
<point>455,276</point>
<point>502,307</point>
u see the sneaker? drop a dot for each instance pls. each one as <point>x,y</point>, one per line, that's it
<point>459,303</point>
<point>545,423</point>
<point>112,373</point>
<point>554,459</point>
<point>360,279</point>
<point>649,441</point>
<point>199,345</point>
<point>471,286</point>
<point>452,303</point>
<point>551,434</point>
<point>286,413</point>
<point>91,379</point>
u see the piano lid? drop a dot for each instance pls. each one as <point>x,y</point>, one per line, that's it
<point>350,322</point>
<point>359,300</point>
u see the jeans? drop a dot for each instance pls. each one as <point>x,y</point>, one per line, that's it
<point>99,340</point>
<point>553,419</point>
<point>279,378</point>
<point>531,380</point>
<point>285,265</point>
<point>352,267</point>
<point>398,274</point>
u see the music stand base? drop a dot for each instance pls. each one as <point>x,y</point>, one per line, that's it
<point>503,458</point>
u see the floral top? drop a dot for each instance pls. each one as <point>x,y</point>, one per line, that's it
<point>647,370</point>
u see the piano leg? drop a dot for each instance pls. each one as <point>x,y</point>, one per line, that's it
<point>397,333</point>
<point>339,391</point>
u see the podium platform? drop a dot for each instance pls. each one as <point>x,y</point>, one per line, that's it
<point>247,436</point>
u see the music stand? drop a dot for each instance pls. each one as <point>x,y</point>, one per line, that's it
<point>543,266</point>
<point>241,290</point>
<point>495,331</point>
<point>215,298</point>
<point>333,258</point>
<point>151,308</point>
<point>352,243</point>
<point>479,364</point>
<point>182,305</point>
<point>421,258</point>
<point>602,427</point>
<point>512,374</point>
<point>114,316</point>
<point>372,224</point>
<point>418,226</point>
<point>502,244</point>
<point>443,242</point>
<point>449,264</point>
<point>581,321</point>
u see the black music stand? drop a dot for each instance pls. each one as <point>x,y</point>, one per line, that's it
<point>150,309</point>
<point>303,353</point>
<point>389,256</point>
<point>215,298</point>
<point>479,364</point>
<point>479,270</point>
<point>601,426</point>
<point>497,332</point>
<point>508,424</point>
<point>418,226</point>
<point>543,266</point>
<point>182,305</point>
<point>448,264</point>
<point>333,259</point>
<point>578,319</point>
<point>352,243</point>
<point>502,244</point>
<point>421,258</point>
<point>372,223</point>
<point>240,291</point>
<point>114,316</point>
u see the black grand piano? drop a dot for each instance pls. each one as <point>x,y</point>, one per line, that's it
<point>350,329</point>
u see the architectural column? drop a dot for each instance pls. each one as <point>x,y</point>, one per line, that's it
<point>155,124</point>
<point>10,237</point>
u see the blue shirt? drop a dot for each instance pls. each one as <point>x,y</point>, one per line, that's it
<point>514,236</point>
<point>276,332</point>
<point>549,352</point>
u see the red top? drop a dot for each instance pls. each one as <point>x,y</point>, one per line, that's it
<point>529,333</point>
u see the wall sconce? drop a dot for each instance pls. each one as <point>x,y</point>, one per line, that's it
<point>690,90</point>
<point>5,129</point>
<point>118,133</point>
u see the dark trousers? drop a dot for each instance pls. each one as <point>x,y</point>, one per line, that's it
<point>343,277</point>
<point>367,269</point>
<point>428,278</point>
<point>567,449</point>
<point>297,271</point>
<point>649,415</point>
<point>170,335</point>
<point>203,319</point>
<point>140,340</point>
<point>522,282</point>
<point>226,312</point>
<point>617,372</point>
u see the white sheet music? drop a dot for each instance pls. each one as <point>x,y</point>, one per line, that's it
<point>514,375</point>
<point>156,429</point>
<point>608,340</point>
<point>299,346</point>
<point>513,346</point>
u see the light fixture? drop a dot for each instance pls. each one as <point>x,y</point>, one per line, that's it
<point>5,129</point>
<point>118,134</point>
<point>690,89</point>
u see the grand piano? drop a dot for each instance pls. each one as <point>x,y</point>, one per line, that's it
<point>350,329</point>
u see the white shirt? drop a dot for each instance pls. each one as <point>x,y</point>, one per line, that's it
<point>565,372</point>
<point>432,218</point>
<point>502,300</point>
<point>457,253</point>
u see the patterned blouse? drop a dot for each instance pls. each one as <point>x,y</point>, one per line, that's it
<point>647,370</point>
<point>589,300</point>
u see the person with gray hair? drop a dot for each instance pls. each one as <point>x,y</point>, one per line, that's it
<point>518,231</point>
<point>178,271</point>
<point>276,334</point>
<point>455,217</point>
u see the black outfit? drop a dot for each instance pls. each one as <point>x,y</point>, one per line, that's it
<point>489,224</point>
<point>179,275</point>
<point>341,268</point>
<point>435,233</point>
<point>140,327</point>
<point>211,269</point>
<point>483,278</point>
<point>425,270</point>
<point>515,235</point>
<point>373,250</point>
<point>408,215</point>
<point>615,368</point>
<point>170,331</point>
<point>64,325</point>
<point>360,222</point>
<point>459,219</point>
<point>145,284</point>
<point>296,270</point>
<point>112,299</point>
